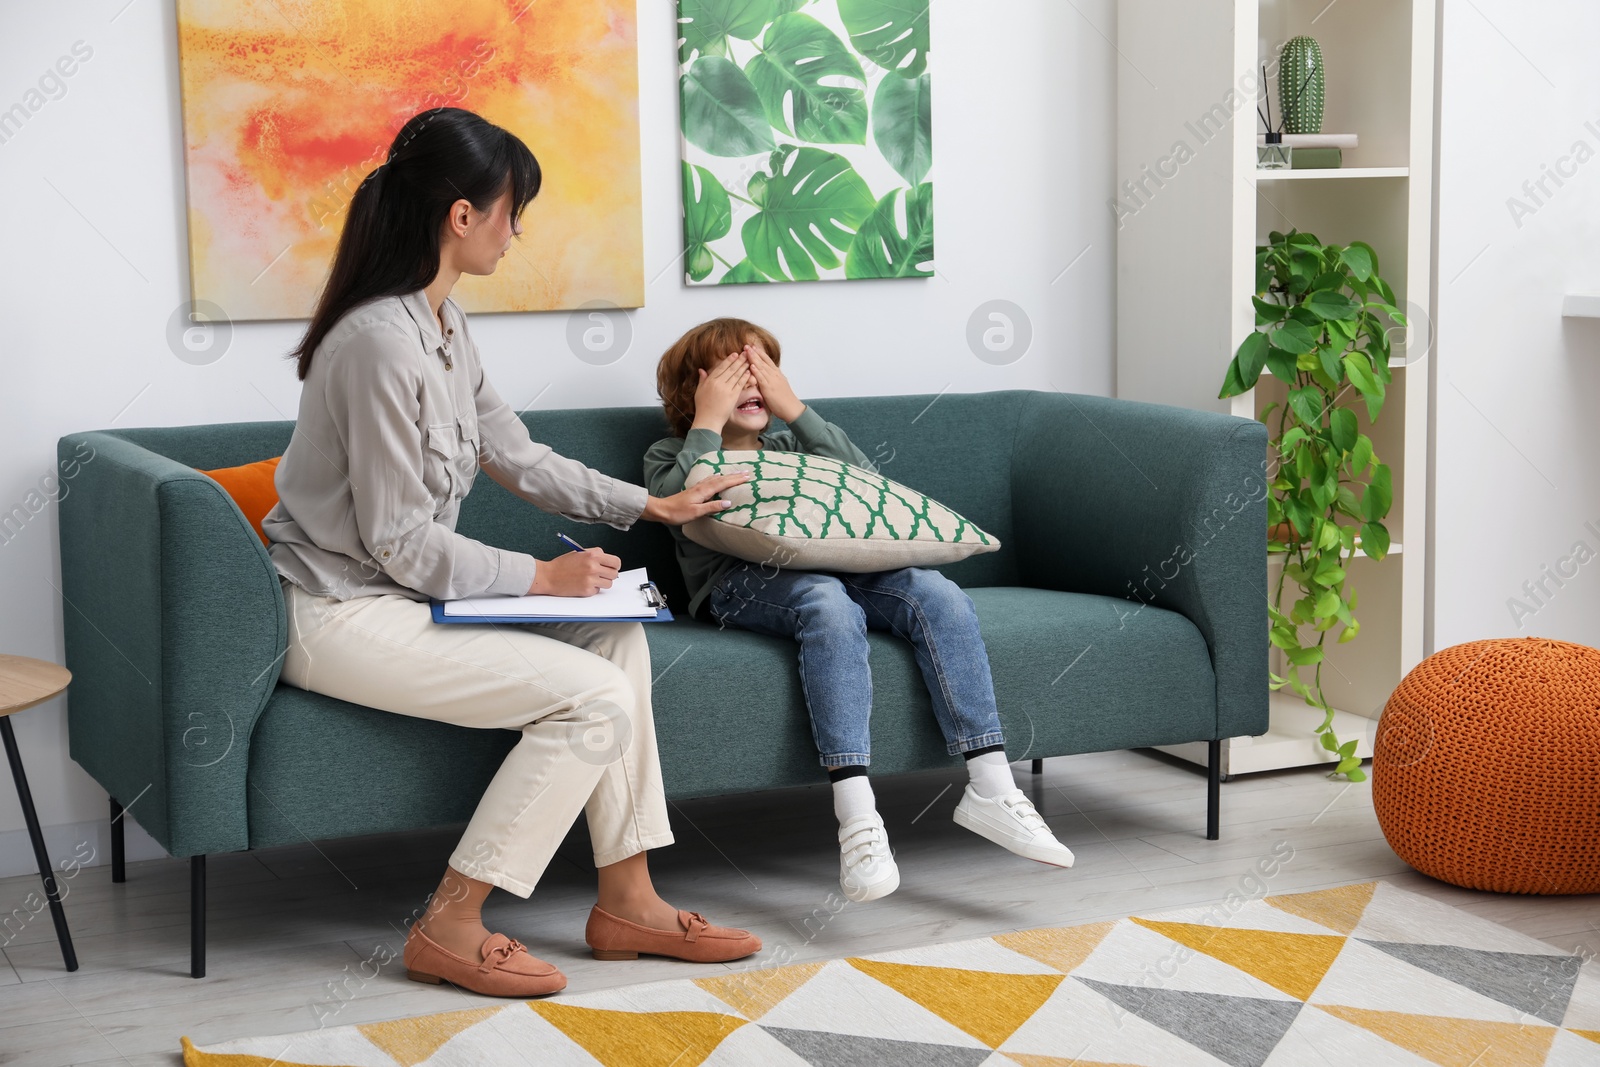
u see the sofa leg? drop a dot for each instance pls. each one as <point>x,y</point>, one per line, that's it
<point>119,869</point>
<point>1214,791</point>
<point>197,916</point>
<point>1038,766</point>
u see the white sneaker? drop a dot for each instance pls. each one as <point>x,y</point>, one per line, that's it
<point>866,866</point>
<point>1011,821</point>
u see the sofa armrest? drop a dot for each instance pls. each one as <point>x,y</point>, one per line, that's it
<point>1159,505</point>
<point>175,630</point>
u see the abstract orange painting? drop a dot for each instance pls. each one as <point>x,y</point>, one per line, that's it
<point>288,104</point>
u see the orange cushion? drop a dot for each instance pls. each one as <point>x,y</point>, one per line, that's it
<point>251,488</point>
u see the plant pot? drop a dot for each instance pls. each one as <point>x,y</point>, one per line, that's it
<point>1284,533</point>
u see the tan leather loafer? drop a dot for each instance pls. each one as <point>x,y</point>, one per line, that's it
<point>697,941</point>
<point>507,969</point>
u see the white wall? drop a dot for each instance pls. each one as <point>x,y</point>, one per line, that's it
<point>1517,482</point>
<point>96,262</point>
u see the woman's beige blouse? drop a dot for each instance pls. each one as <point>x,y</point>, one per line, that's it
<point>395,419</point>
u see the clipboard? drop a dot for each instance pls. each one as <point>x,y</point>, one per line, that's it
<point>661,615</point>
<point>651,595</point>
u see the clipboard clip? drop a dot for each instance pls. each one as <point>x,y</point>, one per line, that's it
<point>652,596</point>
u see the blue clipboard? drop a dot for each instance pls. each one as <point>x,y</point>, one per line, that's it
<point>661,615</point>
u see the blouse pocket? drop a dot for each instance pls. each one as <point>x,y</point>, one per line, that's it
<point>467,455</point>
<point>439,461</point>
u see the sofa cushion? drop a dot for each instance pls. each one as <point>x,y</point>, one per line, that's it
<point>814,513</point>
<point>1073,673</point>
<point>252,487</point>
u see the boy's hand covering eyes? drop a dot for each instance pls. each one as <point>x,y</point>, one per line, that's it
<point>718,392</point>
<point>693,503</point>
<point>776,392</point>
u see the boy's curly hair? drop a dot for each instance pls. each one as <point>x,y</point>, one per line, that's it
<point>677,375</point>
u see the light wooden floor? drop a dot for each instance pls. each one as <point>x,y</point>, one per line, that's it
<point>291,927</point>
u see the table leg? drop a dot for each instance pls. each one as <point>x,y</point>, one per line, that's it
<point>25,798</point>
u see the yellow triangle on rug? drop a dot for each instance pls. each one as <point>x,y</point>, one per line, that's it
<point>987,1005</point>
<point>754,993</point>
<point>1454,1042</point>
<point>412,1041</point>
<point>1338,909</point>
<point>640,1038</point>
<point>1291,963</point>
<point>1063,948</point>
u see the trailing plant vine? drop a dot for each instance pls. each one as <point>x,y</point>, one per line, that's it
<point>1319,330</point>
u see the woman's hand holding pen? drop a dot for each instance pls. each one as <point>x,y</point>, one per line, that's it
<point>582,573</point>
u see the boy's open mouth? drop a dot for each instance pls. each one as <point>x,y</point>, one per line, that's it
<point>750,407</point>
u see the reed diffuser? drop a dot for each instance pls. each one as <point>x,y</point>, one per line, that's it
<point>1274,155</point>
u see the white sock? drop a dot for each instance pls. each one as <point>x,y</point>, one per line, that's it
<point>991,775</point>
<point>852,797</point>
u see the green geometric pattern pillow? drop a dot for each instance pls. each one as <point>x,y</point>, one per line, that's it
<point>811,513</point>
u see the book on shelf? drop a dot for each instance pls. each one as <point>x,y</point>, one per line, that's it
<point>1316,159</point>
<point>1298,141</point>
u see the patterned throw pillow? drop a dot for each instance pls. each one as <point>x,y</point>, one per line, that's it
<point>810,513</point>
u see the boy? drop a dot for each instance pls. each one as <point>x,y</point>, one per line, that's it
<point>720,386</point>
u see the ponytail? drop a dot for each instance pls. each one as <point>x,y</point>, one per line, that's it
<point>390,242</point>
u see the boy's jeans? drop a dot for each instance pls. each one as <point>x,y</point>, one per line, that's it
<point>830,614</point>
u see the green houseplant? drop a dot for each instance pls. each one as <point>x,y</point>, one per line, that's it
<point>1320,328</point>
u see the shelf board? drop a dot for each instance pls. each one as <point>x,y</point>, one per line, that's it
<point>1330,173</point>
<point>1580,306</point>
<point>1394,550</point>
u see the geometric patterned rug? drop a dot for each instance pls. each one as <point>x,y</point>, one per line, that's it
<point>1359,975</point>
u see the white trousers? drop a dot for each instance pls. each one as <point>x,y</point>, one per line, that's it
<point>579,693</point>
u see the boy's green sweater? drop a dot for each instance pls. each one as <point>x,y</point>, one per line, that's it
<point>667,464</point>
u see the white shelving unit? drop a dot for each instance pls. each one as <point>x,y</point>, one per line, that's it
<point>1189,220</point>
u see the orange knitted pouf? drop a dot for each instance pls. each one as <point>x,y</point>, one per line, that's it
<point>1486,767</point>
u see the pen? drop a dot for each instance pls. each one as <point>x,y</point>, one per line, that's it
<point>570,543</point>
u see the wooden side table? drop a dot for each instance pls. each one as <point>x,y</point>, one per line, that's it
<point>25,682</point>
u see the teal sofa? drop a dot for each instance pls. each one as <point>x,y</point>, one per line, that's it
<point>1125,608</point>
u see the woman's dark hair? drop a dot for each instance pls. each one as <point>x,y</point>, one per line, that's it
<point>390,242</point>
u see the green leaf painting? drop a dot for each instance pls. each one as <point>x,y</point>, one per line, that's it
<point>807,140</point>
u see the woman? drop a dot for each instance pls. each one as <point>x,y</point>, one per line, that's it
<point>395,418</point>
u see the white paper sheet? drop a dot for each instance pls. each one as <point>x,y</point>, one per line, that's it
<point>623,600</point>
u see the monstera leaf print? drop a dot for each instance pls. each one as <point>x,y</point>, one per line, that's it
<point>880,250</point>
<point>810,205</point>
<point>706,217</point>
<point>797,53</point>
<point>721,112</point>
<point>891,33</point>
<point>902,125</point>
<point>807,140</point>
<point>706,25</point>
<point>742,271</point>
